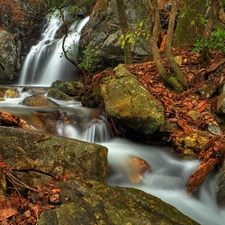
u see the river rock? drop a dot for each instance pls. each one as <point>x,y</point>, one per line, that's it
<point>191,143</point>
<point>132,169</point>
<point>55,156</point>
<point>38,100</point>
<point>57,94</point>
<point>72,88</point>
<point>96,203</point>
<point>127,101</point>
<point>9,120</point>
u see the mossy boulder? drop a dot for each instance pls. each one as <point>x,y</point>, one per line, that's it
<point>96,203</point>
<point>38,100</point>
<point>72,88</point>
<point>127,101</point>
<point>56,156</point>
<point>57,94</point>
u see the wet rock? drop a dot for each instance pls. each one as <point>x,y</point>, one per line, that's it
<point>191,143</point>
<point>132,168</point>
<point>9,120</point>
<point>2,93</point>
<point>72,88</point>
<point>95,203</point>
<point>38,100</point>
<point>56,156</point>
<point>10,93</point>
<point>221,186</point>
<point>46,121</point>
<point>127,101</point>
<point>57,94</point>
<point>137,167</point>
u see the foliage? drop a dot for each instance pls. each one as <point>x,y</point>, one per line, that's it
<point>14,13</point>
<point>132,35</point>
<point>216,41</point>
<point>89,60</point>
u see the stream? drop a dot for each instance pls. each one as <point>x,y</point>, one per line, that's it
<point>169,171</point>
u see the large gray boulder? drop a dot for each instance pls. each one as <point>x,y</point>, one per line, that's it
<point>127,101</point>
<point>94,203</point>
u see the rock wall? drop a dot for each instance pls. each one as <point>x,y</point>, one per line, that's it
<point>102,32</point>
<point>10,48</point>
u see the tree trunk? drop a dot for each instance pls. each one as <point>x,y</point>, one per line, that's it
<point>170,34</point>
<point>124,27</point>
<point>213,13</point>
<point>189,26</point>
<point>155,18</point>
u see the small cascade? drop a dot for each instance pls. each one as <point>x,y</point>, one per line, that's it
<point>95,131</point>
<point>166,180</point>
<point>44,63</point>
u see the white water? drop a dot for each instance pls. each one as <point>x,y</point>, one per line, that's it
<point>169,173</point>
<point>44,63</point>
<point>167,179</point>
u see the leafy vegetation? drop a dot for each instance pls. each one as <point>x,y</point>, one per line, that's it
<point>215,42</point>
<point>132,35</point>
<point>89,60</point>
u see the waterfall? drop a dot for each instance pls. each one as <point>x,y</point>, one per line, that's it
<point>44,63</point>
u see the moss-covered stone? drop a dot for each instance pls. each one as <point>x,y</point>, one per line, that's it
<point>127,101</point>
<point>192,142</point>
<point>54,155</point>
<point>57,94</point>
<point>95,203</point>
<point>38,100</point>
<point>72,88</point>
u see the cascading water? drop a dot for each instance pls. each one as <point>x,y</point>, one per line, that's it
<point>168,175</point>
<point>44,63</point>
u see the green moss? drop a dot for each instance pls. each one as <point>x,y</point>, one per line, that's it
<point>174,83</point>
<point>101,204</point>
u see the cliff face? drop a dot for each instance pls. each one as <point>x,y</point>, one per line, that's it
<point>102,32</point>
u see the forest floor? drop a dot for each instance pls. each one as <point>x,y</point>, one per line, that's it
<point>18,209</point>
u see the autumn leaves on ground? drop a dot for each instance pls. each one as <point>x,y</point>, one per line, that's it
<point>16,207</point>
